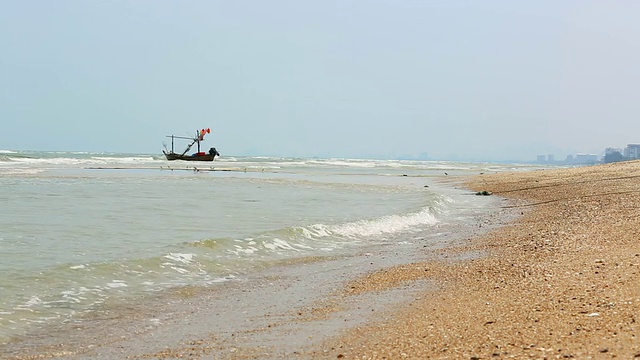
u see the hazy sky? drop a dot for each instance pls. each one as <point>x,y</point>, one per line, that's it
<point>493,80</point>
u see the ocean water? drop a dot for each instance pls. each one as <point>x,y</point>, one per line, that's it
<point>83,231</point>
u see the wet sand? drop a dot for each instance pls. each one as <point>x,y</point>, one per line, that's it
<point>560,281</point>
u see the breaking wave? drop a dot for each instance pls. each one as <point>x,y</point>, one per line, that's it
<point>323,237</point>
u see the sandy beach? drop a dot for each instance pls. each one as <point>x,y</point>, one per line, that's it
<point>562,280</point>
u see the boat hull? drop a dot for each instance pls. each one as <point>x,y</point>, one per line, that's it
<point>194,157</point>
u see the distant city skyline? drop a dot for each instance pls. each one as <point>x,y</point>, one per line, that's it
<point>609,154</point>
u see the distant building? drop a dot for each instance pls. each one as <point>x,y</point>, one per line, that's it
<point>610,150</point>
<point>632,151</point>
<point>541,158</point>
<point>613,155</point>
<point>586,158</point>
<point>581,159</point>
<point>551,158</point>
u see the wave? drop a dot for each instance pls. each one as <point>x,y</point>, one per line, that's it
<point>68,159</point>
<point>130,159</point>
<point>85,286</point>
<point>73,289</point>
<point>387,225</point>
<point>322,237</point>
<point>344,163</point>
<point>82,287</point>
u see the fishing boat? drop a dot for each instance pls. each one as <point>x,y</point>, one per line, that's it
<point>197,156</point>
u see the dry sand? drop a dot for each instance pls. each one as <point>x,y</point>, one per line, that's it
<point>561,281</point>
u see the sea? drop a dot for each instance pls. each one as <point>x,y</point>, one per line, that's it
<point>81,232</point>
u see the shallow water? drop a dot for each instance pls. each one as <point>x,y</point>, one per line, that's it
<point>82,231</point>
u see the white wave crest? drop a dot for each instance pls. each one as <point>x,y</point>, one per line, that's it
<point>181,258</point>
<point>117,284</point>
<point>391,224</point>
<point>33,301</point>
<point>20,171</point>
<point>279,244</point>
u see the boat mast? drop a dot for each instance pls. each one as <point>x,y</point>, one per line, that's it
<point>195,140</point>
<point>199,137</point>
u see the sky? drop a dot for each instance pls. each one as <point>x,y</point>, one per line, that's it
<point>460,80</point>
